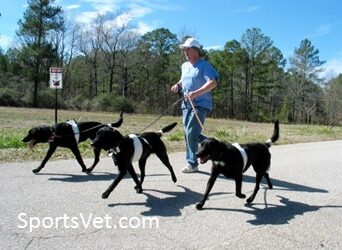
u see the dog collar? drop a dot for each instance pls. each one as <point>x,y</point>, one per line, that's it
<point>242,152</point>
<point>75,129</point>
<point>110,125</point>
<point>220,163</point>
<point>113,151</point>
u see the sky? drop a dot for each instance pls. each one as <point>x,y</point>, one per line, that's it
<point>215,22</point>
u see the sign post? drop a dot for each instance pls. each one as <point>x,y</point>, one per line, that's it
<point>56,83</point>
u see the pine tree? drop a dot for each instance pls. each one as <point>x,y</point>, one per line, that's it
<point>37,50</point>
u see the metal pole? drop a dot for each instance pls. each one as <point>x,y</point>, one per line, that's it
<point>56,104</point>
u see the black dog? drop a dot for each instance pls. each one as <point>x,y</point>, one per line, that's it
<point>67,135</point>
<point>127,149</point>
<point>232,160</point>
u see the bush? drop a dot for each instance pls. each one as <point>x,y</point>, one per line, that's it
<point>9,97</point>
<point>78,103</point>
<point>47,99</point>
<point>111,103</point>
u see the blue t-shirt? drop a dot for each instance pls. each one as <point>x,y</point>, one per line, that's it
<point>194,77</point>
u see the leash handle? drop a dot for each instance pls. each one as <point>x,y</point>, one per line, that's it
<point>181,95</point>
<point>197,117</point>
<point>180,91</point>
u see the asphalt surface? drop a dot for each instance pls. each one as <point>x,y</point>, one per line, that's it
<point>62,208</point>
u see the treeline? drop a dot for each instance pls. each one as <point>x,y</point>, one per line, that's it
<point>108,66</point>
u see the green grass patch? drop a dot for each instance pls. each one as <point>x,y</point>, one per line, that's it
<point>15,122</point>
<point>10,138</point>
<point>177,136</point>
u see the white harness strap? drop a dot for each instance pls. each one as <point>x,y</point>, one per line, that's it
<point>75,129</point>
<point>242,152</point>
<point>138,148</point>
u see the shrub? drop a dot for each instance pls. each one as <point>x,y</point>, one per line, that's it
<point>47,99</point>
<point>111,103</point>
<point>9,97</point>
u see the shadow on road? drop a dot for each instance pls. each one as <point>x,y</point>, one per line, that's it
<point>175,201</point>
<point>105,176</point>
<point>85,177</point>
<point>170,206</point>
<point>277,184</point>
<point>273,214</point>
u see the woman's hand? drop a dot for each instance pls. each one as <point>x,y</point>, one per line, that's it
<point>175,88</point>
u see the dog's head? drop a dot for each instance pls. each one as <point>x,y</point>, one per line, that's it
<point>210,149</point>
<point>107,138</point>
<point>40,134</point>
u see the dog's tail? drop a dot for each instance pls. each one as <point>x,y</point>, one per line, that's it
<point>275,135</point>
<point>167,128</point>
<point>118,123</point>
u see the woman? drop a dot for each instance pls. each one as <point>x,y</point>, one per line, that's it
<point>197,80</point>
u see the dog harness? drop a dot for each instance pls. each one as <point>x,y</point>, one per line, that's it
<point>138,148</point>
<point>242,152</point>
<point>75,129</point>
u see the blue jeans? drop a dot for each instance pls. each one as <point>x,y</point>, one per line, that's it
<point>193,133</point>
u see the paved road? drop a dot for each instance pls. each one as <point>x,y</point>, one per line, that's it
<point>61,208</point>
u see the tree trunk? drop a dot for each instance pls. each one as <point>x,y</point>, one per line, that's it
<point>35,93</point>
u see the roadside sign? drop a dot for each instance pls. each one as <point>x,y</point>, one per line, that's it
<point>56,78</point>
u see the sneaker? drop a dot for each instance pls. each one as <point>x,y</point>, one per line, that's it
<point>189,169</point>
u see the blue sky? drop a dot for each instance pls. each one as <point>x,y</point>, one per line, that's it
<point>286,22</point>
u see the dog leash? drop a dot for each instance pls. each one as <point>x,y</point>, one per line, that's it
<point>196,114</point>
<point>160,116</point>
<point>80,132</point>
<point>180,93</point>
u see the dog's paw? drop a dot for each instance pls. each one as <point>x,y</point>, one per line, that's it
<point>250,200</point>
<point>138,189</point>
<point>105,195</point>
<point>199,206</point>
<point>84,170</point>
<point>241,196</point>
<point>174,179</point>
<point>89,170</point>
<point>36,170</point>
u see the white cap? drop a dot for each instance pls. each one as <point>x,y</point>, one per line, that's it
<point>190,42</point>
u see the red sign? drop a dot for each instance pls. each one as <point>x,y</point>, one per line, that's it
<point>56,78</point>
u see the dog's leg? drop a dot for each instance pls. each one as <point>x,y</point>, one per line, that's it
<point>238,187</point>
<point>122,173</point>
<point>210,185</point>
<point>269,183</point>
<point>162,155</point>
<point>142,165</point>
<point>256,188</point>
<point>138,186</point>
<point>96,159</point>
<point>51,150</point>
<point>78,156</point>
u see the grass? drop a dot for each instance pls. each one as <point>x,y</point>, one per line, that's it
<point>15,122</point>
